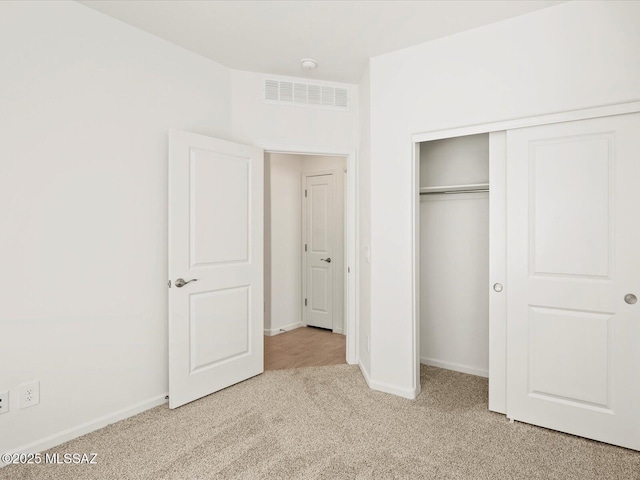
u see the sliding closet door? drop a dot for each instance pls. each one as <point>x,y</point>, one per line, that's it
<point>573,268</point>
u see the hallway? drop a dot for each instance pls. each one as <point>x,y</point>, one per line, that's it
<point>304,347</point>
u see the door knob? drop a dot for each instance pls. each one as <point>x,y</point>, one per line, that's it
<point>630,298</point>
<point>181,283</point>
<point>328,259</point>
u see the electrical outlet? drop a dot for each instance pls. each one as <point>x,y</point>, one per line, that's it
<point>29,394</point>
<point>4,402</point>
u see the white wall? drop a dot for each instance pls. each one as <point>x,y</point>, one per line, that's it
<point>455,161</point>
<point>570,56</point>
<point>283,230</point>
<point>85,104</point>
<point>263,124</point>
<point>454,271</point>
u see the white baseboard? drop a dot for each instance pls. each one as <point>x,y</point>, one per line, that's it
<point>285,328</point>
<point>90,426</point>
<point>365,374</point>
<point>409,393</point>
<point>455,367</point>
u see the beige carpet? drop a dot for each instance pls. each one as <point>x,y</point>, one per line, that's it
<point>323,422</point>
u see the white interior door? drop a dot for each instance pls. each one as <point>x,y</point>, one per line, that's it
<point>573,266</point>
<point>319,245</point>
<point>215,239</point>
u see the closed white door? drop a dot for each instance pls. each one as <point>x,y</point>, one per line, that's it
<point>215,265</point>
<point>319,247</point>
<point>573,269</point>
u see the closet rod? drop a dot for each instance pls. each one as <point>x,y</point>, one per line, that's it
<point>451,192</point>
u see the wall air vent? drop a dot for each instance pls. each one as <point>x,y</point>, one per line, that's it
<point>271,90</point>
<point>296,93</point>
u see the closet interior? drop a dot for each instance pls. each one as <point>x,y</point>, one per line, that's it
<point>454,254</point>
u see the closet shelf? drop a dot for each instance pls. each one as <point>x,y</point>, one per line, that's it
<point>470,188</point>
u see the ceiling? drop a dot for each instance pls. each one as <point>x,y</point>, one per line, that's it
<point>273,36</point>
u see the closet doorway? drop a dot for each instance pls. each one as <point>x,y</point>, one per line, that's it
<point>460,257</point>
<point>306,260</point>
<point>454,254</point>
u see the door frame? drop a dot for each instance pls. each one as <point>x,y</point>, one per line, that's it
<point>497,323</point>
<point>351,263</point>
<point>335,207</point>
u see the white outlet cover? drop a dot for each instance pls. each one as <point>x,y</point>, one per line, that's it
<point>4,402</point>
<point>29,394</point>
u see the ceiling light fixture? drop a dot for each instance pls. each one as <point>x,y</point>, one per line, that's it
<point>309,63</point>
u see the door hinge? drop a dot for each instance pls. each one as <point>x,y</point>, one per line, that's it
<point>348,269</point>
<point>305,247</point>
<point>305,192</point>
<point>305,302</point>
<point>169,284</point>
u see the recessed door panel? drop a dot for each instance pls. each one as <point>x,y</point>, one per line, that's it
<point>571,204</point>
<point>219,326</point>
<point>319,289</point>
<point>570,356</point>
<point>220,198</point>
<point>319,218</point>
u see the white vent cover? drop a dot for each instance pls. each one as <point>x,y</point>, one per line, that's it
<point>271,90</point>
<point>286,92</point>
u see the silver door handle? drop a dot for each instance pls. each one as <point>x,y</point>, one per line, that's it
<point>181,283</point>
<point>328,259</point>
<point>630,298</point>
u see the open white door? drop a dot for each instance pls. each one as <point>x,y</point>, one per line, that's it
<point>320,230</point>
<point>573,269</point>
<point>215,239</point>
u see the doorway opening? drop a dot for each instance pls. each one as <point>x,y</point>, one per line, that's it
<point>306,260</point>
<point>460,257</point>
<point>454,254</point>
